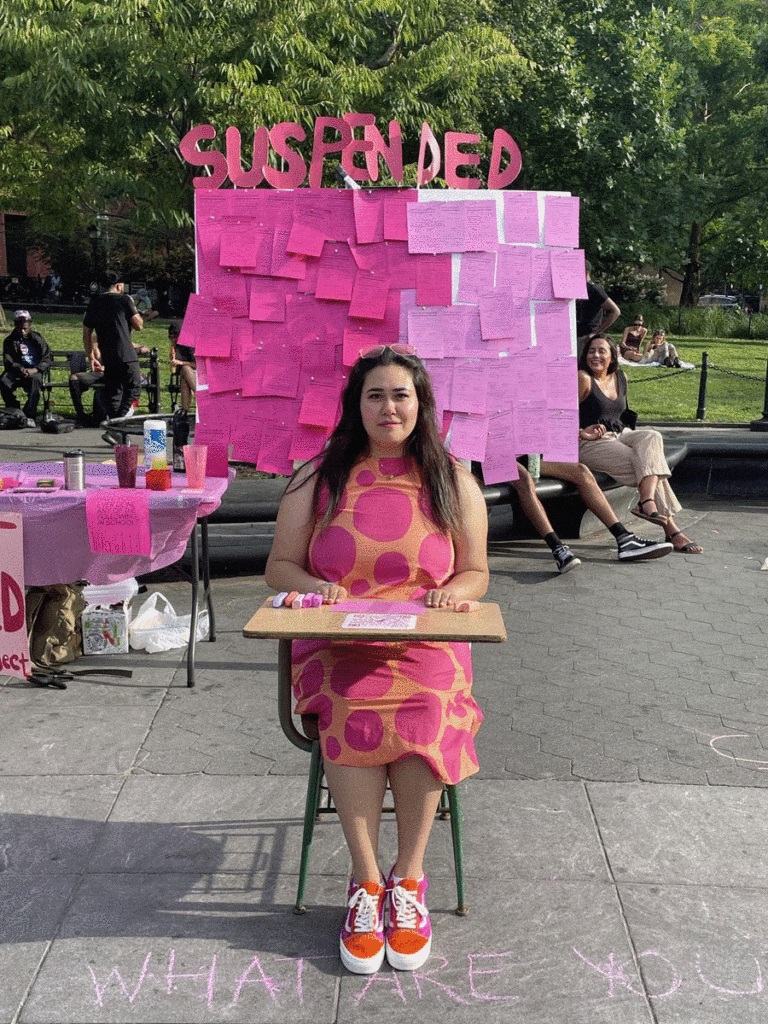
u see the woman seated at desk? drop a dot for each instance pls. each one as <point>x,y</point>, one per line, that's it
<point>632,457</point>
<point>386,513</point>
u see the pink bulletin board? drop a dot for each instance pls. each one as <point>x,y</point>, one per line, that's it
<point>293,284</point>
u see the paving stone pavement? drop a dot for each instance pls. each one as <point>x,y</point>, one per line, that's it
<point>615,834</point>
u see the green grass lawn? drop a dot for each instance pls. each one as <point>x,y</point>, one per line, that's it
<point>655,394</point>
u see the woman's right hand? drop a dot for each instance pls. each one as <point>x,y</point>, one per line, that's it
<point>593,433</point>
<point>332,593</point>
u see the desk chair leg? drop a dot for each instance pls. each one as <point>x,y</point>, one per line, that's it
<point>454,802</point>
<point>207,578</point>
<point>310,813</point>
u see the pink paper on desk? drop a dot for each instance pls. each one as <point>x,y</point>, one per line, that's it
<point>383,607</point>
<point>553,327</point>
<point>267,300</point>
<point>469,435</point>
<point>561,221</point>
<point>521,217</point>
<point>118,521</point>
<point>476,275</point>
<point>369,295</point>
<point>569,279</point>
<point>395,219</point>
<point>368,208</point>
<point>433,280</point>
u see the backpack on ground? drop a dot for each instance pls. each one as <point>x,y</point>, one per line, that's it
<point>12,419</point>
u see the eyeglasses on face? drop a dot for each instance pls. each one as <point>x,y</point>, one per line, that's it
<point>379,350</point>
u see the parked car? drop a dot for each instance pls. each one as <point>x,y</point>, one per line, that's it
<point>724,301</point>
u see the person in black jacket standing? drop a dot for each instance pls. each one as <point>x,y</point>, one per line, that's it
<point>26,357</point>
<point>111,317</point>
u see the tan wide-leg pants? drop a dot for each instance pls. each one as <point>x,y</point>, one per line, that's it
<point>629,457</point>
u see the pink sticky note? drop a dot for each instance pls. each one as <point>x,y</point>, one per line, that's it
<point>274,456</point>
<point>368,208</point>
<point>214,336</point>
<point>541,275</point>
<point>355,343</point>
<point>513,269</point>
<point>563,428</point>
<point>496,313</point>
<point>118,521</point>
<point>521,217</point>
<point>480,227</point>
<point>426,333</point>
<point>284,264</point>
<point>238,244</point>
<point>561,221</point>
<point>569,279</point>
<point>335,273</point>
<point>307,235</point>
<point>469,386</point>
<point>318,406</point>
<point>369,295</point>
<point>433,280</point>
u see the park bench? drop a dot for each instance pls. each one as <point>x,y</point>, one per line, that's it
<point>58,374</point>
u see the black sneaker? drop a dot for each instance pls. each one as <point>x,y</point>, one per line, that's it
<point>565,558</point>
<point>636,549</point>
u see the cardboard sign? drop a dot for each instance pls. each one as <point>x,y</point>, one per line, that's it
<point>14,642</point>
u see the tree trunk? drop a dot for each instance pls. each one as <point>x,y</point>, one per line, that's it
<point>689,293</point>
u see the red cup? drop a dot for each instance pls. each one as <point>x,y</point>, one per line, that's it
<point>127,459</point>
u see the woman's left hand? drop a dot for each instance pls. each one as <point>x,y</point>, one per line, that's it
<point>593,433</point>
<point>439,599</point>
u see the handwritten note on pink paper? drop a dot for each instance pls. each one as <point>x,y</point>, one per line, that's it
<point>476,275</point>
<point>238,244</point>
<point>481,232</point>
<point>553,327</point>
<point>307,442</point>
<point>307,235</point>
<point>318,406</point>
<point>561,221</point>
<point>285,264</point>
<point>213,334</point>
<point>118,521</point>
<point>434,285</point>
<point>223,374</point>
<point>521,217</point>
<point>426,333</point>
<point>563,427</point>
<point>469,386</point>
<point>368,207</point>
<point>267,300</point>
<point>369,295</point>
<point>569,278</point>
<point>469,435</point>
<point>395,219</point>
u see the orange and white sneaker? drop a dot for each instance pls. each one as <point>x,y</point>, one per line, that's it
<point>408,930</point>
<point>361,942</point>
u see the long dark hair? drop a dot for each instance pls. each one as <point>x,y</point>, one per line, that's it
<point>349,441</point>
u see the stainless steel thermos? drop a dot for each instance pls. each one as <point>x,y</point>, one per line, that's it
<point>74,471</point>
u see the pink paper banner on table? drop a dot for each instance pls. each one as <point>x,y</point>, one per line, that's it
<point>14,643</point>
<point>118,522</point>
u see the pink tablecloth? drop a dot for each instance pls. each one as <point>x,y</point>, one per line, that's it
<point>56,548</point>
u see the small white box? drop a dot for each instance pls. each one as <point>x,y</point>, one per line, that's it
<point>105,630</point>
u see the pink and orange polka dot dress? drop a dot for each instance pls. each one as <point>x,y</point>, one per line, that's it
<point>378,702</point>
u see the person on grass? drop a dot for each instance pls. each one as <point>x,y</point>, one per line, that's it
<point>632,457</point>
<point>385,513</point>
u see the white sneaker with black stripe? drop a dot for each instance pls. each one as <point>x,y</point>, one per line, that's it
<point>565,558</point>
<point>636,549</point>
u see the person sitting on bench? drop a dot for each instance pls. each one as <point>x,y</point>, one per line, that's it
<point>26,357</point>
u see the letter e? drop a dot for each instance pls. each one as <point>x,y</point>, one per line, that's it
<point>452,159</point>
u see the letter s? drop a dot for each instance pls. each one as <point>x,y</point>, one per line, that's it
<point>213,158</point>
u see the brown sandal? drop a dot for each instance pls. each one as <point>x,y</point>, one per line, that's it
<point>649,517</point>
<point>690,548</point>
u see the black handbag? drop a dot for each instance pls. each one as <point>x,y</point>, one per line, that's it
<point>629,418</point>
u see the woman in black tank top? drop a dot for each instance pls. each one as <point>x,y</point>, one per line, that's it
<point>632,457</point>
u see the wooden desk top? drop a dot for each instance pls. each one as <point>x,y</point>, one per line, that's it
<point>484,625</point>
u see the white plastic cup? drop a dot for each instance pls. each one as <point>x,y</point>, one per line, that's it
<point>155,441</point>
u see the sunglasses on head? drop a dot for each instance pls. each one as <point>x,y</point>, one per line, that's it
<point>379,350</point>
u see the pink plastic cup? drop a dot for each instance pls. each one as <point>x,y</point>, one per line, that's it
<point>127,459</point>
<point>195,456</point>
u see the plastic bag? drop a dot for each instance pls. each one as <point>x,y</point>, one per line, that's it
<point>156,626</point>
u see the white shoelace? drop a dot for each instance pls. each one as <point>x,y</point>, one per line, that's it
<point>407,907</point>
<point>367,919</point>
